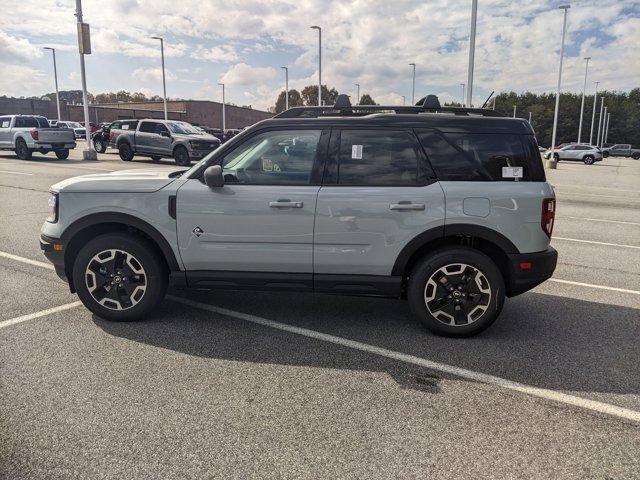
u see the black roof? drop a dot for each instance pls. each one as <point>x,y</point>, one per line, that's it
<point>427,113</point>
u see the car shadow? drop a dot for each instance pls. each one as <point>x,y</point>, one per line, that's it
<point>542,340</point>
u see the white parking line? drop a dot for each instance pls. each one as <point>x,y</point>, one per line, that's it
<point>590,187</point>
<point>35,263</point>
<point>544,393</point>
<point>41,313</point>
<point>590,285</point>
<point>598,220</point>
<point>595,243</point>
<point>15,173</point>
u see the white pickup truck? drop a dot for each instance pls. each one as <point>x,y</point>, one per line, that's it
<point>26,134</point>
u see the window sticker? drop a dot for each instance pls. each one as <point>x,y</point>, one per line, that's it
<point>356,152</point>
<point>512,172</point>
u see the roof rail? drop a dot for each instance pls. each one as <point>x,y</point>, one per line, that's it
<point>343,108</point>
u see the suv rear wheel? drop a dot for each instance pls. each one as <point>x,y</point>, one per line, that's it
<point>125,151</point>
<point>119,277</point>
<point>22,151</point>
<point>62,154</point>
<point>588,159</point>
<point>456,291</point>
<point>99,145</point>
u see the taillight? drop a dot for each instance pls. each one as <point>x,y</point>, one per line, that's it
<point>109,136</point>
<point>548,215</point>
<point>34,134</point>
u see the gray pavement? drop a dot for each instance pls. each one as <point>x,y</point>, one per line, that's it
<point>190,393</point>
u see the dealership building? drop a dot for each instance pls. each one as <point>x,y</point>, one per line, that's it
<point>196,112</point>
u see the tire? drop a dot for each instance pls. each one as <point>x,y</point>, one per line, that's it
<point>636,156</point>
<point>62,154</point>
<point>125,151</point>
<point>156,158</point>
<point>440,276</point>
<point>22,151</point>
<point>588,159</point>
<point>556,157</point>
<point>99,145</point>
<point>605,154</point>
<point>144,277</point>
<point>181,156</point>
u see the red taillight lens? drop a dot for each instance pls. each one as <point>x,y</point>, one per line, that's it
<point>34,134</point>
<point>548,215</point>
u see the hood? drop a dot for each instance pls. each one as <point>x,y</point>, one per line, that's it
<point>122,181</point>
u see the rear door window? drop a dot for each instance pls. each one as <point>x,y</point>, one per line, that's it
<point>481,156</point>
<point>148,127</point>
<point>378,157</point>
<point>5,122</point>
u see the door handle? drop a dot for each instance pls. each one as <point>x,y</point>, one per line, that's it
<point>285,204</point>
<point>406,206</point>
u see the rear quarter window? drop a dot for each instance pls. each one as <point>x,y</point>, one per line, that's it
<point>481,156</point>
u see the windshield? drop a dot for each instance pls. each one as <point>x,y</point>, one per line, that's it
<point>73,125</point>
<point>183,128</point>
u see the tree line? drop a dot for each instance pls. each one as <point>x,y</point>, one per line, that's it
<point>308,96</point>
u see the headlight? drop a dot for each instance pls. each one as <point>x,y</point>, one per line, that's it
<point>53,205</point>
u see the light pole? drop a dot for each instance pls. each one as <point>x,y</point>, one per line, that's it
<point>463,85</point>
<point>529,118</point>
<point>404,99</point>
<point>223,112</point>
<point>413,84</point>
<point>84,48</point>
<point>593,115</point>
<point>604,127</point>
<point>286,88</point>
<point>164,84</point>
<point>55,76</point>
<point>584,87</point>
<point>316,27</point>
<point>606,132</point>
<point>357,94</point>
<point>600,121</point>
<point>514,111</point>
<point>552,163</point>
<point>472,51</point>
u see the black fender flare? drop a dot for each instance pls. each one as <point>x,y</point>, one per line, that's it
<point>450,230</point>
<point>128,220</point>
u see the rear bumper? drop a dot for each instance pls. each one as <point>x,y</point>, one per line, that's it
<point>527,270</point>
<point>55,146</point>
<point>56,257</point>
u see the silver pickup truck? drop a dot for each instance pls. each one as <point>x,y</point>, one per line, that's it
<point>26,134</point>
<point>161,138</point>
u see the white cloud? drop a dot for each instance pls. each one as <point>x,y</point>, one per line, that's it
<point>20,80</point>
<point>151,75</point>
<point>223,53</point>
<point>17,48</point>
<point>243,74</point>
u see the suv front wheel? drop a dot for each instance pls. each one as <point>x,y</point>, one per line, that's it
<point>456,291</point>
<point>119,277</point>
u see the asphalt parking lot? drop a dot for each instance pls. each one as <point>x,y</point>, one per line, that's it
<point>265,385</point>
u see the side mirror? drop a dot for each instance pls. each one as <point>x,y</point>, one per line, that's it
<point>165,134</point>
<point>213,176</point>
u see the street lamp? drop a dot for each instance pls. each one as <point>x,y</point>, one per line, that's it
<point>529,118</point>
<point>358,94</point>
<point>462,103</point>
<point>593,115</point>
<point>413,84</point>
<point>316,27</point>
<point>600,121</point>
<point>514,111</point>
<point>55,76</point>
<point>472,51</point>
<point>584,87</point>
<point>84,48</point>
<point>552,161</point>
<point>606,131</point>
<point>404,100</point>
<point>286,88</point>
<point>604,127</point>
<point>223,112</point>
<point>164,84</point>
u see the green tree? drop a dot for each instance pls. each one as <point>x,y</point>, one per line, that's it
<point>310,95</point>
<point>295,100</point>
<point>366,99</point>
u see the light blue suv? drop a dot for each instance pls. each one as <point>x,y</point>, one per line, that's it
<point>446,207</point>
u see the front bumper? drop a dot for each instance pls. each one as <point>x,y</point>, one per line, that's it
<point>54,250</point>
<point>198,154</point>
<point>527,270</point>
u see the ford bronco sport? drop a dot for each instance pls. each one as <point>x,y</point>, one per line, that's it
<point>446,207</point>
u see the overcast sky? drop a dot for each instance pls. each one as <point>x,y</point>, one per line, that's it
<point>243,43</point>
